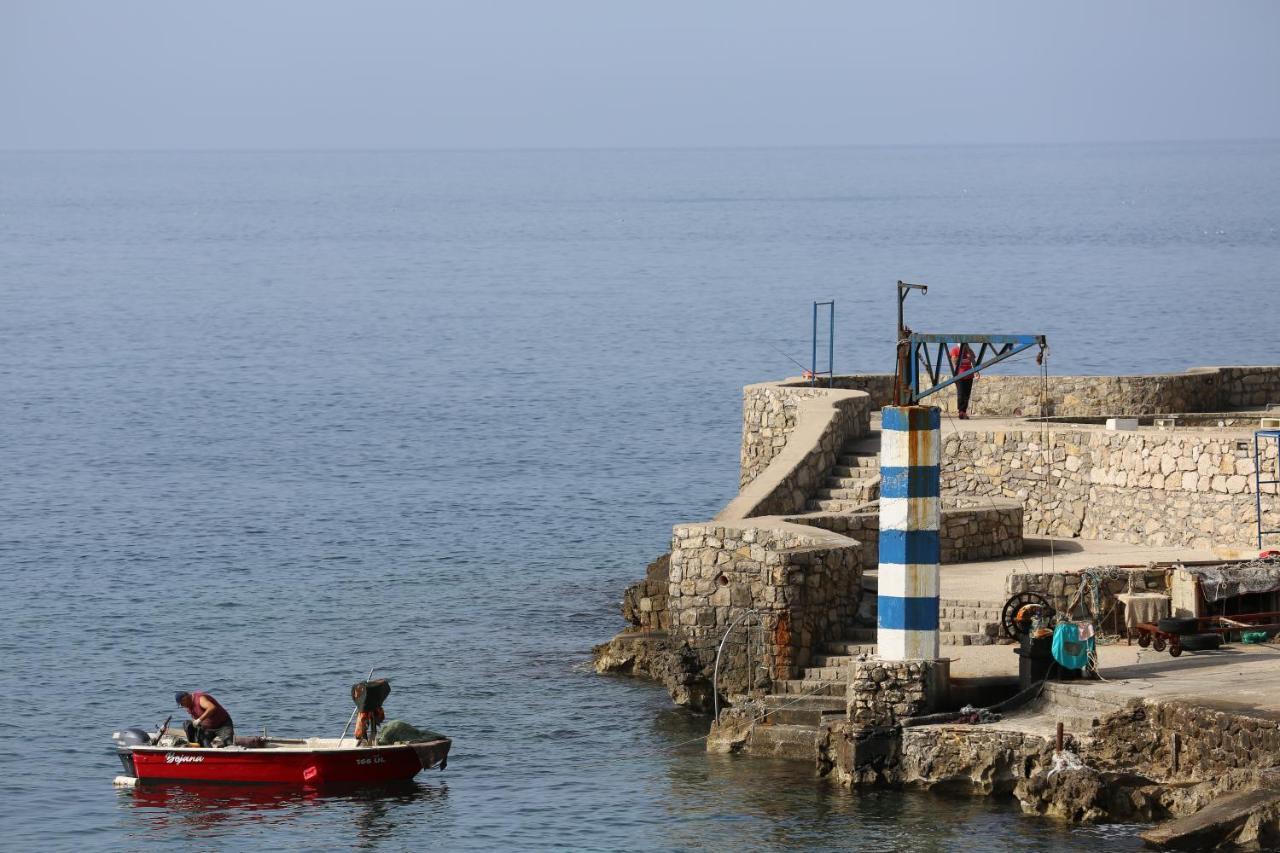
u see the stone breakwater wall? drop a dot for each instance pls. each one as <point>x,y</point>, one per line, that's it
<point>977,530</point>
<point>879,386</point>
<point>771,413</point>
<point>1209,742</point>
<point>1061,588</point>
<point>805,583</point>
<point>1200,389</point>
<point>791,438</point>
<point>1247,386</point>
<point>1147,487</point>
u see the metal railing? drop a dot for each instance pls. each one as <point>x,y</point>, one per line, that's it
<point>715,674</point>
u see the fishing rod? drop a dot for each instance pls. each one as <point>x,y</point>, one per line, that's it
<point>787,357</point>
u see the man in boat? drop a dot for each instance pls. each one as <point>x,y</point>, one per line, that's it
<point>210,724</point>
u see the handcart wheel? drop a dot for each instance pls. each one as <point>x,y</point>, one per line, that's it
<point>1158,644</point>
<point>1144,639</point>
<point>1175,649</point>
<point>1013,617</point>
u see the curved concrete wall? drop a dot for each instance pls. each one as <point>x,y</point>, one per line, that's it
<point>791,437</point>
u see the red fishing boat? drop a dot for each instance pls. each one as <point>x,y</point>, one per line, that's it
<point>168,756</point>
<point>312,761</point>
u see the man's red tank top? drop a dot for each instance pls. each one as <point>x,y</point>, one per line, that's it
<point>217,718</point>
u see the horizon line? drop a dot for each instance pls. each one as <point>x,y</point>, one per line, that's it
<point>567,148</point>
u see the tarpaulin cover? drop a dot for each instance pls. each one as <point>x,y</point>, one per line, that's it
<point>1231,579</point>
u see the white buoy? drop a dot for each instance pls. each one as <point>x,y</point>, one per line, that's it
<point>125,781</point>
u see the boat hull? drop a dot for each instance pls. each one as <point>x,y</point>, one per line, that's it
<point>302,767</point>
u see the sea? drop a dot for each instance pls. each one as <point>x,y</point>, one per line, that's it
<point>272,420</point>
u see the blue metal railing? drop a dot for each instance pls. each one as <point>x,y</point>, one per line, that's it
<point>814,372</point>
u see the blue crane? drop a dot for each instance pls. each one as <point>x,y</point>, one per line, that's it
<point>929,358</point>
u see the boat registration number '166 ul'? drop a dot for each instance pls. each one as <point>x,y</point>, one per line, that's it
<point>183,759</point>
<point>377,759</point>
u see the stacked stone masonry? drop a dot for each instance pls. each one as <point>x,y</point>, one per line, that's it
<point>805,583</point>
<point>1200,389</point>
<point>976,530</point>
<point>644,605</point>
<point>1147,487</point>
<point>881,692</point>
<point>770,415</point>
<point>1062,589</point>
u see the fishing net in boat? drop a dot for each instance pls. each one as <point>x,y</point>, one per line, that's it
<point>398,731</point>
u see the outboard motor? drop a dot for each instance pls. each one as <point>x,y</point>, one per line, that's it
<point>369,696</point>
<point>126,738</point>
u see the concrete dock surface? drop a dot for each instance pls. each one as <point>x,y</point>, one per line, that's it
<point>985,579</point>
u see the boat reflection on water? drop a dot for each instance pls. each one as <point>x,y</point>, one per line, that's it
<point>199,808</point>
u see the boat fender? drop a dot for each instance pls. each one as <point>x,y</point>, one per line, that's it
<point>312,775</point>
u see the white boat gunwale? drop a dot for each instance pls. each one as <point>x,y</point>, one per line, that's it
<point>285,747</point>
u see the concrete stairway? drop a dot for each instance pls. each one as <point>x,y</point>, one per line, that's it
<point>963,622</point>
<point>828,672</point>
<point>852,482</point>
<point>1078,705</point>
<point>797,706</point>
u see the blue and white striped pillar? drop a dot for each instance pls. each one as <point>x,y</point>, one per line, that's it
<point>909,550</point>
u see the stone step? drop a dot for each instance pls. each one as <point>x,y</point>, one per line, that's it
<point>797,742</point>
<point>859,460</point>
<point>1076,704</point>
<point>969,613</point>
<point>968,626</point>
<point>856,494</point>
<point>798,687</point>
<point>1081,696</point>
<point>952,638</point>
<point>849,648</point>
<point>862,483</point>
<point>835,505</point>
<point>827,673</point>
<point>853,472</point>
<point>841,661</point>
<point>997,606</point>
<point>787,709</point>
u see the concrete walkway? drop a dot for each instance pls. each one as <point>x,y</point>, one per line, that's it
<point>984,580</point>
<point>1240,678</point>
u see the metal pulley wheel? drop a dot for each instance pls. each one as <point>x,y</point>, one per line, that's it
<point>1016,616</point>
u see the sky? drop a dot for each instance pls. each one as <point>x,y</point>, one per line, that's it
<point>167,74</point>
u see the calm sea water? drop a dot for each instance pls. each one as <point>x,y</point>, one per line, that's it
<point>272,419</point>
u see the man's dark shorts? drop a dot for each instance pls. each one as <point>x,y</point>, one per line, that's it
<point>224,735</point>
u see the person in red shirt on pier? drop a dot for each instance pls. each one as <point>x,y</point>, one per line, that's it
<point>962,358</point>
